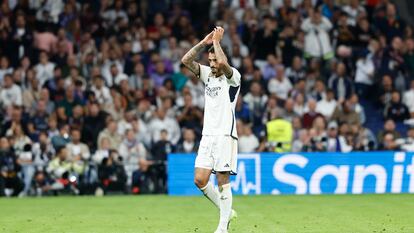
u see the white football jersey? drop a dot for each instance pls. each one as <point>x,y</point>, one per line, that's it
<point>220,102</point>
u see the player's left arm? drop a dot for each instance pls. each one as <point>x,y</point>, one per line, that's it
<point>220,56</point>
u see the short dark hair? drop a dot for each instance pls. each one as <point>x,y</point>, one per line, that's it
<point>211,49</point>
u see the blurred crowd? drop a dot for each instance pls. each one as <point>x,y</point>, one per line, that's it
<point>93,94</point>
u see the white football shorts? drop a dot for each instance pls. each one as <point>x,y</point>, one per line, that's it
<point>217,153</point>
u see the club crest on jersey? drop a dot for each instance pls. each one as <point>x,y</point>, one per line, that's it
<point>212,91</point>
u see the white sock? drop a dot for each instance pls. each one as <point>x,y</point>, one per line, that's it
<point>226,200</point>
<point>211,193</point>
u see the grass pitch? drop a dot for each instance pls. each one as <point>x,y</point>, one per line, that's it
<point>164,214</point>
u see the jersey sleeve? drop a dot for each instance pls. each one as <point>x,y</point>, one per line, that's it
<point>235,78</point>
<point>204,72</point>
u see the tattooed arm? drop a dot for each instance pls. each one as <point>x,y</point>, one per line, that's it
<point>188,58</point>
<point>220,56</point>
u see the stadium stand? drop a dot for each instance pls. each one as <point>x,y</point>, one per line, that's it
<point>93,96</point>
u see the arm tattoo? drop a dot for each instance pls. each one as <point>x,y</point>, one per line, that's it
<point>188,59</point>
<point>222,59</point>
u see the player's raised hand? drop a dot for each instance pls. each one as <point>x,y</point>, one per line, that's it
<point>218,33</point>
<point>208,39</point>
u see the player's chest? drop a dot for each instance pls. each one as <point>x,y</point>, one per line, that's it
<point>216,88</point>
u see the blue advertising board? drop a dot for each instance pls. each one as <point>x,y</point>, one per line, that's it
<point>305,173</point>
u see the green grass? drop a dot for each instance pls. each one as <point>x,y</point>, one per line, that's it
<point>163,214</point>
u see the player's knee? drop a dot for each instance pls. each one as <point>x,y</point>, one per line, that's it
<point>223,178</point>
<point>200,182</point>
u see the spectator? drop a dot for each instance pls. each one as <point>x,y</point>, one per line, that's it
<point>62,139</point>
<point>188,144</point>
<point>396,110</point>
<point>289,111</point>
<point>389,143</point>
<point>346,113</point>
<point>407,144</point>
<point>317,41</point>
<point>327,106</point>
<point>364,77</point>
<point>11,94</point>
<point>111,133</point>
<point>389,127</point>
<point>408,99</point>
<point>340,83</point>
<point>43,152</point>
<point>336,143</point>
<point>311,114</point>
<point>9,169</point>
<point>248,142</point>
<point>162,122</point>
<point>280,85</point>
<point>44,69</point>
<point>132,153</point>
<point>77,151</point>
<point>296,71</point>
<point>190,116</point>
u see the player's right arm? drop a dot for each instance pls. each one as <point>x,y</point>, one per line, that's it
<point>189,57</point>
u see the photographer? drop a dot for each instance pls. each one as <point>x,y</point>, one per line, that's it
<point>111,173</point>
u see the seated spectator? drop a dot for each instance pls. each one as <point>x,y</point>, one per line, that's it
<point>289,112</point>
<point>40,116</point>
<point>4,67</point>
<point>311,114</point>
<point>9,169</point>
<point>256,100</point>
<point>10,94</point>
<point>345,113</point>
<point>303,139</point>
<point>335,142</point>
<point>131,152</point>
<point>102,93</point>
<point>340,83</point>
<point>280,85</point>
<point>188,144</point>
<point>389,143</point>
<point>190,116</point>
<point>69,101</point>
<point>77,150</point>
<point>248,142</point>
<point>365,138</point>
<point>389,127</point>
<point>62,138</point>
<point>407,144</point>
<point>43,152</point>
<point>242,111</point>
<point>296,72</point>
<point>162,122</point>
<point>384,91</point>
<point>44,69</point>
<point>408,99</point>
<point>111,133</point>
<point>359,108</point>
<point>396,110</point>
<point>327,105</point>
<point>299,105</point>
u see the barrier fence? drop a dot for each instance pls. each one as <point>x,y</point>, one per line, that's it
<point>305,173</point>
